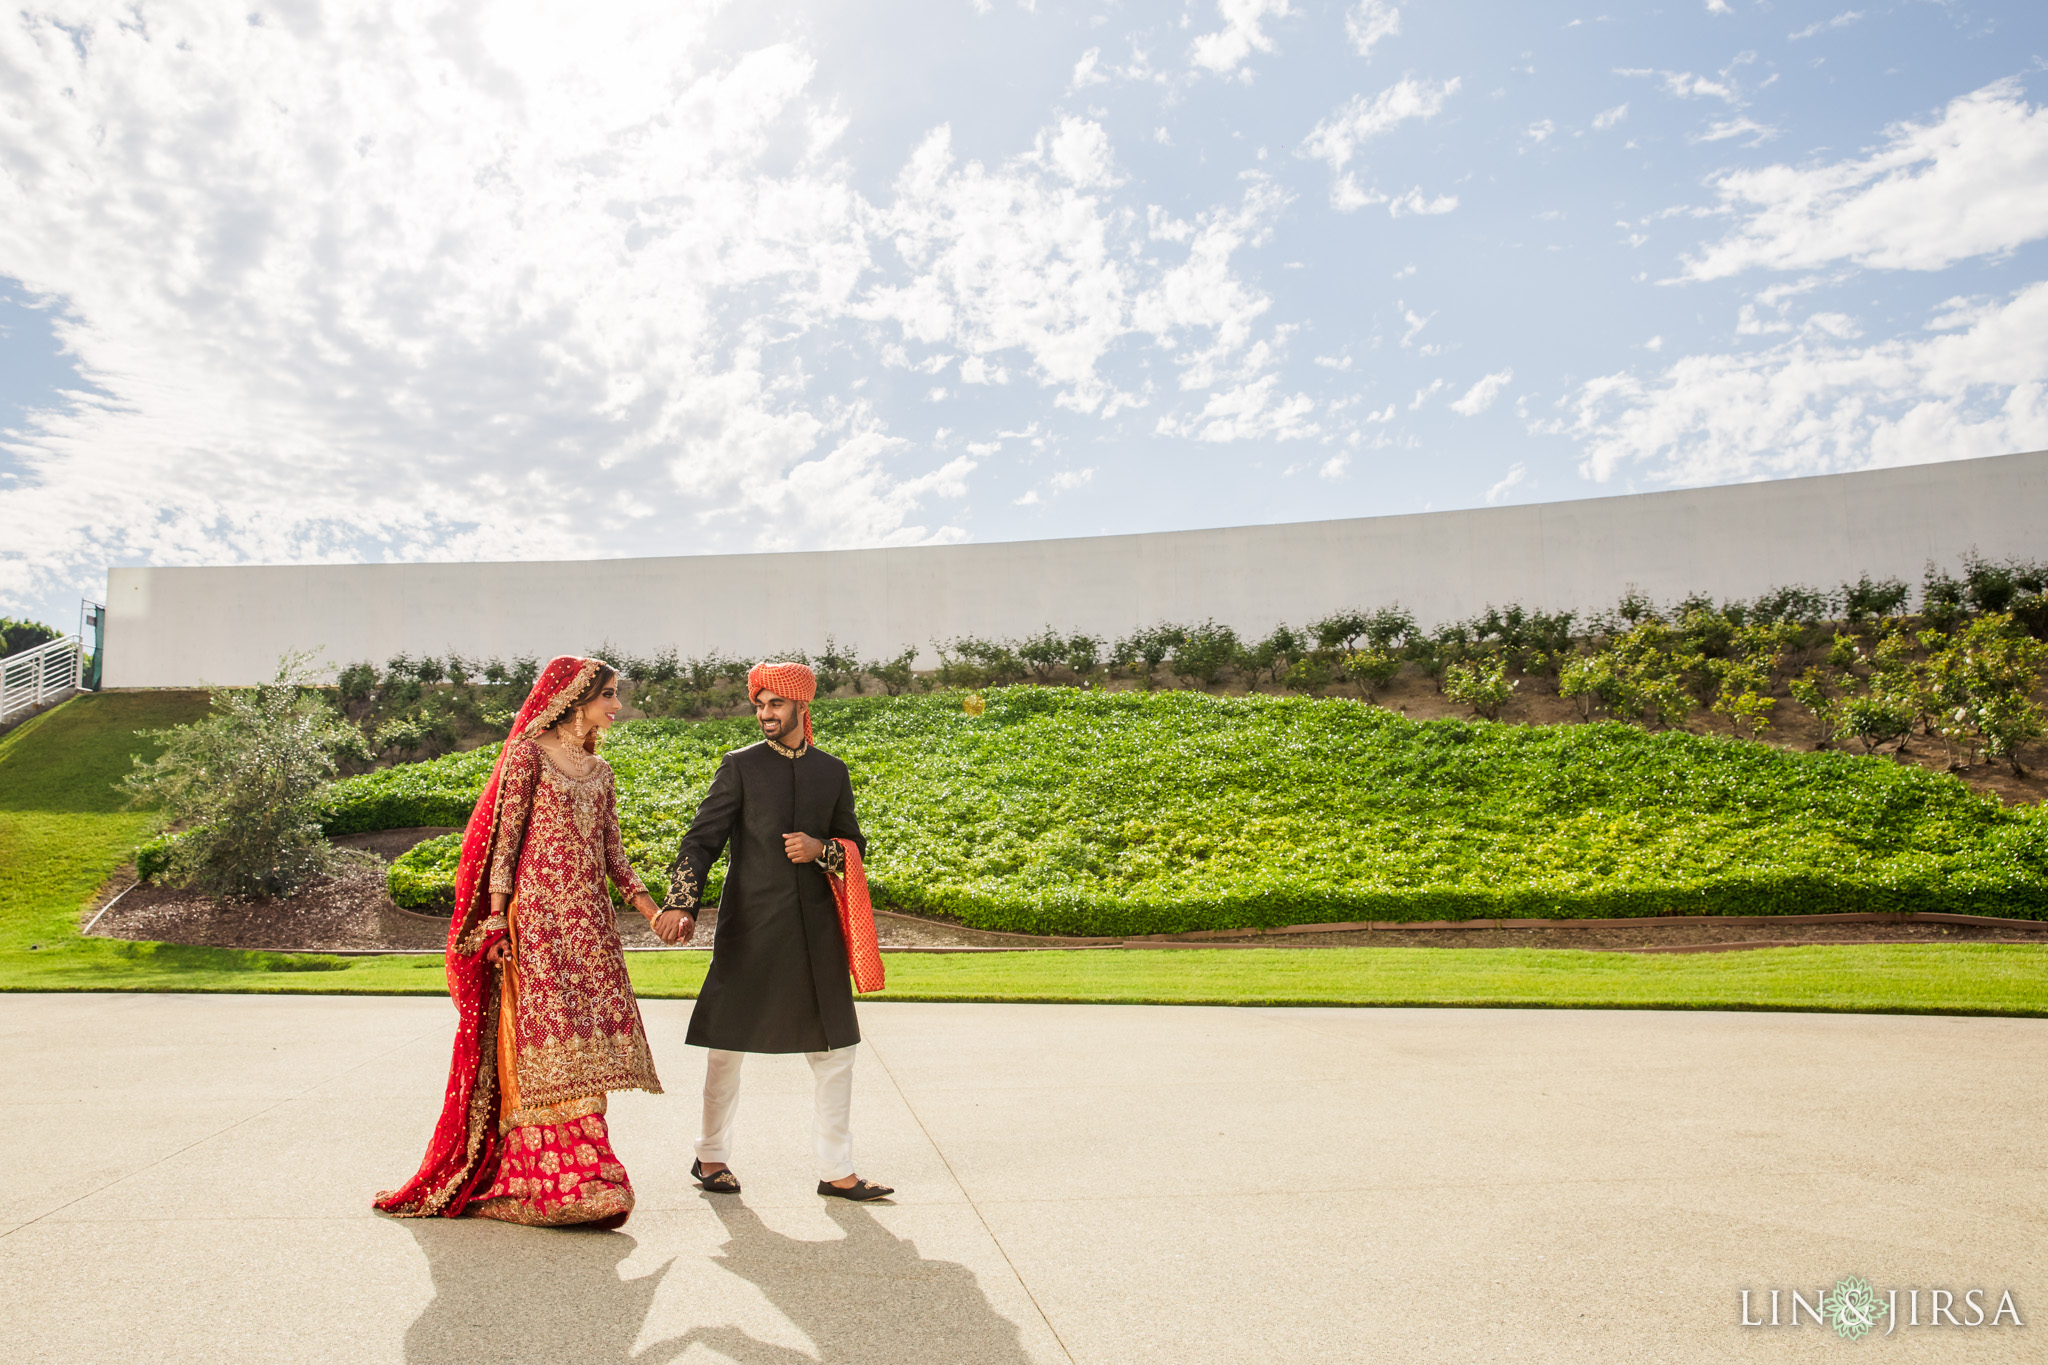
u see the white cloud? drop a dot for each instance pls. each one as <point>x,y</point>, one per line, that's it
<point>1422,396</point>
<point>1516,477</point>
<point>1336,467</point>
<point>1088,71</point>
<point>1369,22</point>
<point>1249,411</point>
<point>1718,7</point>
<point>1079,150</point>
<point>1416,322</point>
<point>1480,396</point>
<point>1608,118</point>
<point>519,282</point>
<point>1974,383</point>
<point>1720,130</point>
<point>1842,20</point>
<point>1242,34</point>
<point>1201,300</point>
<point>1067,480</point>
<point>1973,182</point>
<point>373,297</point>
<point>1011,258</point>
<point>1337,138</point>
<point>1413,203</point>
<point>1685,85</point>
<point>1540,131</point>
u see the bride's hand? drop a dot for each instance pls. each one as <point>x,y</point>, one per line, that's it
<point>496,952</point>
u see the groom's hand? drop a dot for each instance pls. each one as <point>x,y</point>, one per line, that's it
<point>802,848</point>
<point>673,926</point>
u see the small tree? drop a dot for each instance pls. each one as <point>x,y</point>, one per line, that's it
<point>1083,653</point>
<point>1043,652</point>
<point>1311,673</point>
<point>1815,692</point>
<point>248,780</point>
<point>1372,669</point>
<point>1204,651</point>
<point>1340,631</point>
<point>1873,599</point>
<point>895,675</point>
<point>1941,599</point>
<point>1277,653</point>
<point>837,667</point>
<point>1142,651</point>
<point>1482,684</point>
<point>1999,667</point>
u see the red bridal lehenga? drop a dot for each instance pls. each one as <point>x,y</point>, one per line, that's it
<point>544,1037</point>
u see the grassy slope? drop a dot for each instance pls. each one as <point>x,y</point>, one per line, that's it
<point>1063,811</point>
<point>62,831</point>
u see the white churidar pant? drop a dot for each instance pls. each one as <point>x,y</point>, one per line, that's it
<point>832,1120</point>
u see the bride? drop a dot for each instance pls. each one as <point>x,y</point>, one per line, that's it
<point>548,1022</point>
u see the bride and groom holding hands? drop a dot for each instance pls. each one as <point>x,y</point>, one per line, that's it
<point>548,1022</point>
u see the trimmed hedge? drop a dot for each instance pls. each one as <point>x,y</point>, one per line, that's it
<point>1065,811</point>
<point>440,792</point>
<point>423,877</point>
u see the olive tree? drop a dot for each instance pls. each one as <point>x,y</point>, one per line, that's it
<point>248,781</point>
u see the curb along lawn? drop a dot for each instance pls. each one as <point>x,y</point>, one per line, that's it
<point>1069,812</point>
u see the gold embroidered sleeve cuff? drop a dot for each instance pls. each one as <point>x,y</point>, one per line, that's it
<point>473,941</point>
<point>833,859</point>
<point>682,892</point>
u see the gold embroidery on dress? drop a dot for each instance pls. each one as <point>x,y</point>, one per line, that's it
<point>603,1203</point>
<point>534,1116</point>
<point>785,750</point>
<point>559,1069</point>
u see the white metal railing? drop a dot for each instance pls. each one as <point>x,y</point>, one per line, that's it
<point>36,677</point>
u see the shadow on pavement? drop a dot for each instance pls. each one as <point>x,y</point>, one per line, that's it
<point>865,1297</point>
<point>505,1293</point>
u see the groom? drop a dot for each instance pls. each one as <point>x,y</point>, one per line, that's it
<point>778,978</point>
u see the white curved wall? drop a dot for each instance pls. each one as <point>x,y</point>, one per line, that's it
<point>179,627</point>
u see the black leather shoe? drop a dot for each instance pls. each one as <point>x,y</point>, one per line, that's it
<point>859,1191</point>
<point>724,1182</point>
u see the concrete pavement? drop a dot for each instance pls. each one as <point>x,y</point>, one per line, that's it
<point>190,1180</point>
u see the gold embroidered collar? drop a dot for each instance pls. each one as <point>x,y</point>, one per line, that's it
<point>785,750</point>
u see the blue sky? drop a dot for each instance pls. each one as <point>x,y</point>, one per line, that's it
<point>378,281</point>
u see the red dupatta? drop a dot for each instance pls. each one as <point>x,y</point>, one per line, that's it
<point>462,1156</point>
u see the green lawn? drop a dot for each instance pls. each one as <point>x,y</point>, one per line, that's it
<point>62,830</point>
<point>1962,978</point>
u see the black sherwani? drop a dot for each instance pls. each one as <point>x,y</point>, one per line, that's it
<point>778,978</point>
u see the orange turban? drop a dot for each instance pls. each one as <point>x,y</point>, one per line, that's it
<point>794,681</point>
